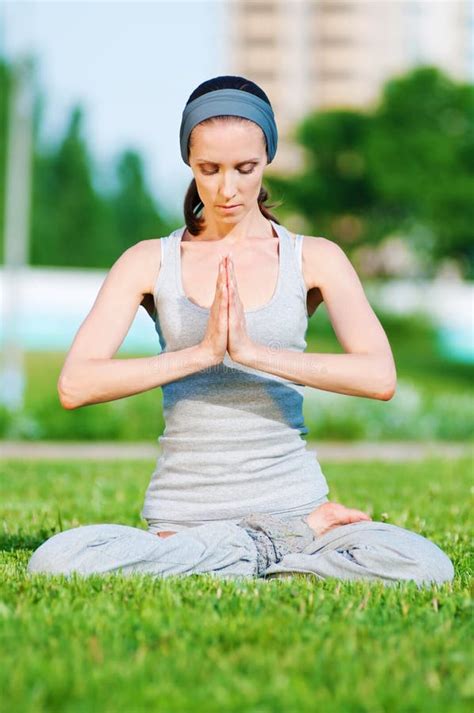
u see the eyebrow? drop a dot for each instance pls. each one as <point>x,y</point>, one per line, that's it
<point>241,163</point>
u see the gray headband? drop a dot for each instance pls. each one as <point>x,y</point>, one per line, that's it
<point>234,102</point>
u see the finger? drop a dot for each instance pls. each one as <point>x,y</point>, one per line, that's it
<point>356,516</point>
<point>219,277</point>
<point>348,516</point>
<point>233,289</point>
<point>342,510</point>
<point>223,305</point>
<point>227,268</point>
<point>224,281</point>
<point>225,292</point>
<point>363,514</point>
<point>219,274</point>
<point>232,275</point>
<point>230,283</point>
<point>224,287</point>
<point>220,286</point>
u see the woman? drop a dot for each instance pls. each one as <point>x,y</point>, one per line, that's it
<point>235,492</point>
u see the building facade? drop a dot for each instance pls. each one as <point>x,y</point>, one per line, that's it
<point>318,54</point>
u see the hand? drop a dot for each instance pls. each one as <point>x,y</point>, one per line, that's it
<point>330,515</point>
<point>215,339</point>
<point>238,341</point>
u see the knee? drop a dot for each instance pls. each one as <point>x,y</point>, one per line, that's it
<point>438,566</point>
<point>400,554</point>
<point>65,550</point>
<point>47,557</point>
<point>433,566</point>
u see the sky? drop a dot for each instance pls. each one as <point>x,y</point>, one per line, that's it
<point>131,65</point>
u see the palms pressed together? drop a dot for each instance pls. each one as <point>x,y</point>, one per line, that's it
<point>226,332</point>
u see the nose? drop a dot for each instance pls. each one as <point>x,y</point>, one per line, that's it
<point>227,187</point>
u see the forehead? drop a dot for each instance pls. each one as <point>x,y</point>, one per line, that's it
<point>237,141</point>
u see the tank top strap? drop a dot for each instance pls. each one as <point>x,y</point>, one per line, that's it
<point>166,279</point>
<point>291,260</point>
<point>299,251</point>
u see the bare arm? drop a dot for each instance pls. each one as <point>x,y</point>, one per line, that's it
<point>90,375</point>
<point>367,368</point>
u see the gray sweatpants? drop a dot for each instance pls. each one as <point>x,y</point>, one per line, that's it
<point>362,550</point>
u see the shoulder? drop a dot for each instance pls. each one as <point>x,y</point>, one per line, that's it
<point>321,246</point>
<point>142,262</point>
<point>322,258</point>
<point>315,245</point>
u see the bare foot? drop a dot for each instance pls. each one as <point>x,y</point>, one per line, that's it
<point>166,533</point>
<point>330,515</point>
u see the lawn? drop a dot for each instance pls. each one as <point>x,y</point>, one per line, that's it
<point>113,643</point>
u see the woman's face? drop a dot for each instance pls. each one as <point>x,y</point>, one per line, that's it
<point>228,159</point>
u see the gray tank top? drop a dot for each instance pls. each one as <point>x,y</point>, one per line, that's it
<point>232,442</point>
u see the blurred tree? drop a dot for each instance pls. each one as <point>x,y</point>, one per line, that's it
<point>407,166</point>
<point>420,153</point>
<point>73,223</point>
<point>76,225</point>
<point>334,192</point>
<point>70,223</point>
<point>134,212</point>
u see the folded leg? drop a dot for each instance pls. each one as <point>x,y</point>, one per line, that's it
<point>222,548</point>
<point>370,550</point>
<point>361,550</point>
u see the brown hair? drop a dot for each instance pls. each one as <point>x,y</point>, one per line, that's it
<point>192,201</point>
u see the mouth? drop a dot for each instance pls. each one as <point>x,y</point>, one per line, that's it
<point>228,207</point>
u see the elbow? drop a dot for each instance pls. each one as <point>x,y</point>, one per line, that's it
<point>387,394</point>
<point>67,397</point>
<point>388,387</point>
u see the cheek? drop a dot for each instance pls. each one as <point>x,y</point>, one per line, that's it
<point>255,184</point>
<point>207,186</point>
<point>203,188</point>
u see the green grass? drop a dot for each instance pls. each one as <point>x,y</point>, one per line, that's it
<point>114,643</point>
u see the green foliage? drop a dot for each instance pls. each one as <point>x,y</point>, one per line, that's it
<point>67,214</point>
<point>201,643</point>
<point>74,222</point>
<point>132,206</point>
<point>138,417</point>
<point>405,166</point>
<point>336,172</point>
<point>421,155</point>
<point>413,414</point>
<point>74,225</point>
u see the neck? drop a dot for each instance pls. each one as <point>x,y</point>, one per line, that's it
<point>252,225</point>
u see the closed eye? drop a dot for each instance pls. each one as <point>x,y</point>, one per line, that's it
<point>210,173</point>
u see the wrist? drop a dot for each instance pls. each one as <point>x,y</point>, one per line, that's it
<point>246,354</point>
<point>207,357</point>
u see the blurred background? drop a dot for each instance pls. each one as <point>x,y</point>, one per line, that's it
<point>374,102</point>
